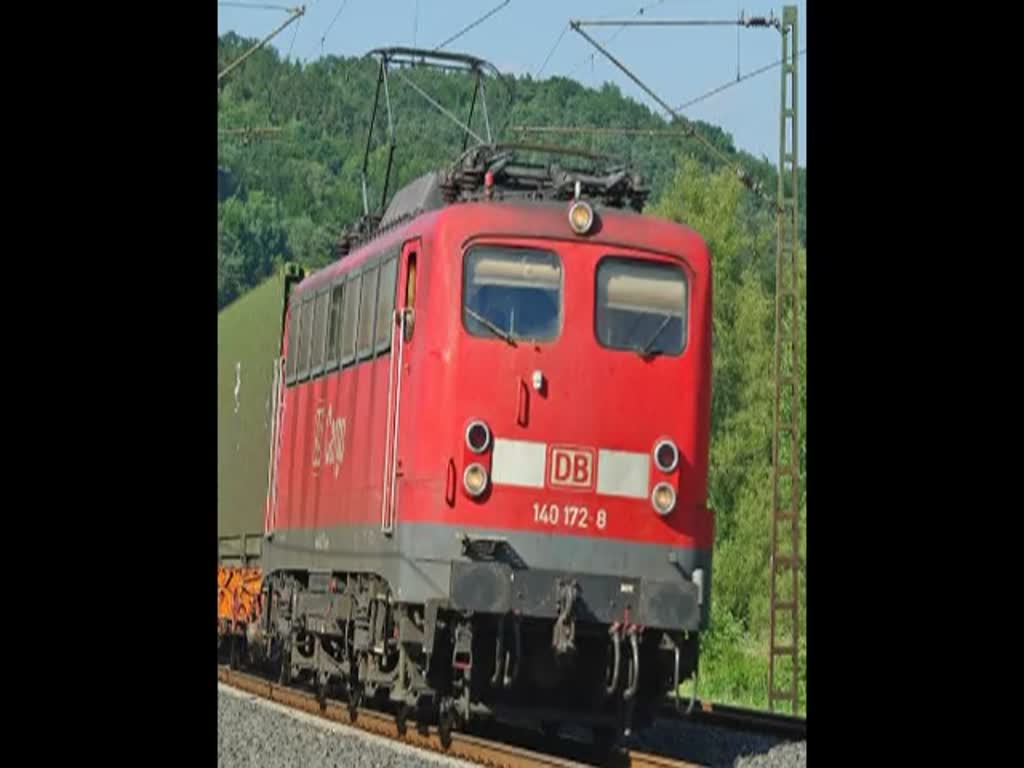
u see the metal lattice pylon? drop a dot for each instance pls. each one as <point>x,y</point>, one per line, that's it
<point>785,564</point>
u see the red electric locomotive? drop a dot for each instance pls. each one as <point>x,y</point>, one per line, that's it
<point>489,473</point>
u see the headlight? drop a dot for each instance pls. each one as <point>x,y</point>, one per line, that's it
<point>478,436</point>
<point>663,498</point>
<point>581,217</point>
<point>475,479</point>
<point>666,455</point>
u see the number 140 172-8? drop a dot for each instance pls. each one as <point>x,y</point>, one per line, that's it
<point>568,516</point>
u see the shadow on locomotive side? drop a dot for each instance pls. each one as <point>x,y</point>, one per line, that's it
<point>485,435</point>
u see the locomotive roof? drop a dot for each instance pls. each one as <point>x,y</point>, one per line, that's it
<point>546,219</point>
<point>497,172</point>
<point>494,176</point>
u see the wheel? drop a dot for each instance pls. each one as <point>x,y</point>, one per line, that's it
<point>550,730</point>
<point>445,722</point>
<point>321,693</point>
<point>355,698</point>
<point>422,719</point>
<point>401,714</point>
<point>284,675</point>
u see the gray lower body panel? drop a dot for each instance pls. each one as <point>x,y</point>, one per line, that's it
<point>662,585</point>
<point>602,599</point>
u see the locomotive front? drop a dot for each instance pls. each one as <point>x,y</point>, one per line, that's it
<point>577,405</point>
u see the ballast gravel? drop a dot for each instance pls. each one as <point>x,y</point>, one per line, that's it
<point>255,733</point>
<point>782,756</point>
<point>718,747</point>
<point>261,734</point>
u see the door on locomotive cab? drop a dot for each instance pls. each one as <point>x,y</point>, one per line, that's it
<point>404,323</point>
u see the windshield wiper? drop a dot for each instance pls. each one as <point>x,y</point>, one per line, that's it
<point>646,348</point>
<point>499,332</point>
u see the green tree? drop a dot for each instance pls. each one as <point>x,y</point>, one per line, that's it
<point>251,243</point>
<point>742,241</point>
<point>311,166</point>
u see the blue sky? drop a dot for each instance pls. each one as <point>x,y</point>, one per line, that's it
<point>678,63</point>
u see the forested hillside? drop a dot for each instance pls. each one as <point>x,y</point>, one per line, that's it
<point>287,195</point>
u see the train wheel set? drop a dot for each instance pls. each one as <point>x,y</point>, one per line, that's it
<point>350,640</point>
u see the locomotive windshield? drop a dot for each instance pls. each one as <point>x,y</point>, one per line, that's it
<point>641,306</point>
<point>512,293</point>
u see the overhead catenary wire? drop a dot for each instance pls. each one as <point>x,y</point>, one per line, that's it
<point>296,14</point>
<point>740,21</point>
<point>652,131</point>
<point>688,127</point>
<point>599,129</point>
<point>737,42</point>
<point>291,45</point>
<point>272,90</point>
<point>257,6</point>
<point>433,102</point>
<point>660,22</point>
<point>739,79</point>
<point>595,130</point>
<point>466,29</point>
<point>299,13</point>
<point>552,51</point>
<point>323,38</point>
<point>640,12</point>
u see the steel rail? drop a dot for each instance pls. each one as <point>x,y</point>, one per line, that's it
<point>463,746</point>
<point>742,719</point>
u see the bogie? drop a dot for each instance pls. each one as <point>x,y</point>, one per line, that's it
<point>355,638</point>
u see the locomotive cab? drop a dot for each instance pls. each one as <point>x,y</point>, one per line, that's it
<point>579,386</point>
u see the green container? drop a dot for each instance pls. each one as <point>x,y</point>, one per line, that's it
<point>248,346</point>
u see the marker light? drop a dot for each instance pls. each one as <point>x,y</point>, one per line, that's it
<point>475,479</point>
<point>581,217</point>
<point>663,498</point>
<point>666,455</point>
<point>478,436</point>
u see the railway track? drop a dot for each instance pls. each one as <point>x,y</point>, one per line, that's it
<point>788,727</point>
<point>465,747</point>
<point>483,751</point>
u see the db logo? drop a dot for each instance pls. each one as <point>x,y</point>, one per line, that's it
<point>571,468</point>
